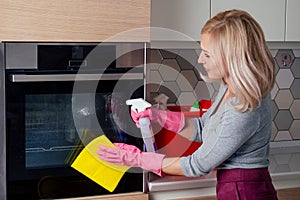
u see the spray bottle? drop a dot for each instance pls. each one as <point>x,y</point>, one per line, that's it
<point>140,105</point>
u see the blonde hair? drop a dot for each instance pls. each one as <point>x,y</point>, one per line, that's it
<point>239,51</point>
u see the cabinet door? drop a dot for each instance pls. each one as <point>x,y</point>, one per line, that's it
<point>185,17</point>
<point>69,20</point>
<point>292,20</point>
<point>270,14</point>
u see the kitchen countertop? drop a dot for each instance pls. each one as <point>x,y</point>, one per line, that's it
<point>284,169</point>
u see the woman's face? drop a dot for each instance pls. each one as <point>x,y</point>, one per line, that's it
<point>205,59</point>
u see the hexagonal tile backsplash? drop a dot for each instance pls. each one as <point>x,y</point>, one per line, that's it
<point>175,72</point>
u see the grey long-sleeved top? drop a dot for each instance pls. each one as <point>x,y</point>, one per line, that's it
<point>230,139</point>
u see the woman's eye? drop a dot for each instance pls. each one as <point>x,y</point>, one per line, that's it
<point>206,55</point>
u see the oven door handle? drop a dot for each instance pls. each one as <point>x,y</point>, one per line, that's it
<point>74,77</point>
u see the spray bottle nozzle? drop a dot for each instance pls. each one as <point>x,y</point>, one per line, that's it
<point>138,105</point>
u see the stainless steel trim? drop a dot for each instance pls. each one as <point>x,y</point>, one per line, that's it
<point>169,183</point>
<point>3,169</point>
<point>24,55</point>
<point>74,77</point>
<point>21,56</point>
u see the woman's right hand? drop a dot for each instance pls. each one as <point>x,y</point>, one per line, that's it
<point>137,115</point>
<point>172,121</point>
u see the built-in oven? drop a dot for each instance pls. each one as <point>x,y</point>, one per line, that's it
<point>58,97</point>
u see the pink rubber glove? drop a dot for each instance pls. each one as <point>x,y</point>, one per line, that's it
<point>172,121</point>
<point>130,155</point>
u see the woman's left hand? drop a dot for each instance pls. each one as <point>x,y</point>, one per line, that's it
<point>130,155</point>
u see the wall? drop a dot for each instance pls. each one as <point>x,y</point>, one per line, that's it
<point>175,72</point>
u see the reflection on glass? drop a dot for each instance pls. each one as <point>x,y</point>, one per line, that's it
<point>49,128</point>
<point>51,134</point>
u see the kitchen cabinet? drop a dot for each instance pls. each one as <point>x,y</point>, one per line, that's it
<point>292,20</point>
<point>270,14</point>
<point>182,20</point>
<point>74,21</point>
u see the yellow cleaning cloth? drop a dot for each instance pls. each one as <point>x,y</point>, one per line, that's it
<point>88,163</point>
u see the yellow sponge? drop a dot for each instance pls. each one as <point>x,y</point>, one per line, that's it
<point>108,175</point>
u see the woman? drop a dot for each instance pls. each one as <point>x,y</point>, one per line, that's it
<point>235,131</point>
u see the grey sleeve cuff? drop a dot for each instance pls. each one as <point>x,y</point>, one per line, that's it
<point>188,169</point>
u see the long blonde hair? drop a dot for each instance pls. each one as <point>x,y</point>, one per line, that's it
<point>239,51</point>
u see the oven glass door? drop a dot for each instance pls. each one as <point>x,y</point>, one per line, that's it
<point>42,134</point>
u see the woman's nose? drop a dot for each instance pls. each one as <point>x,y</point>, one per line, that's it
<point>200,59</point>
